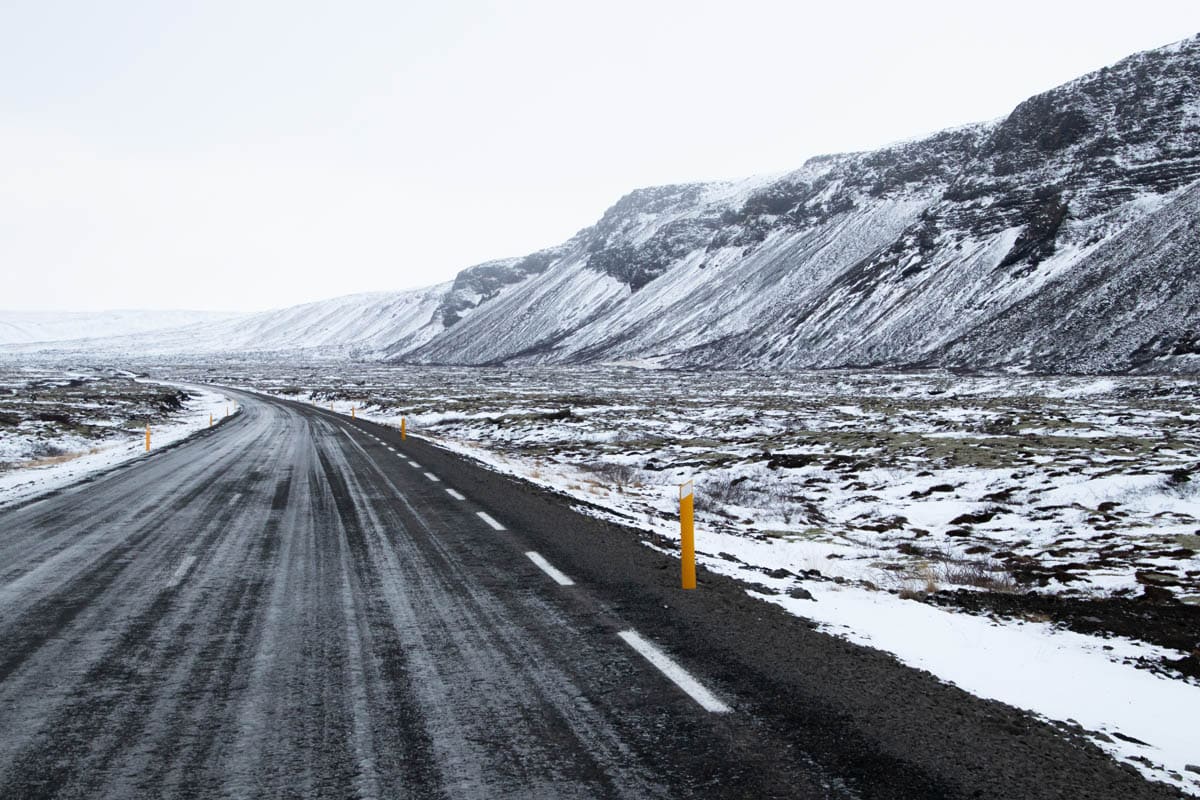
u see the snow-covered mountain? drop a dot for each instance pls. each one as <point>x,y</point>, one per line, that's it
<point>24,327</point>
<point>358,325</point>
<point>1063,237</point>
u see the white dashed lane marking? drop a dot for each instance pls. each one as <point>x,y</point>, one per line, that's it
<point>549,569</point>
<point>180,571</point>
<point>433,477</point>
<point>455,494</point>
<point>483,515</point>
<point>681,678</point>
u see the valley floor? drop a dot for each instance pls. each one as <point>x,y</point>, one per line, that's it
<point>1062,513</point>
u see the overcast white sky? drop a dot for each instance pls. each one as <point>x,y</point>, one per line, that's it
<point>248,155</point>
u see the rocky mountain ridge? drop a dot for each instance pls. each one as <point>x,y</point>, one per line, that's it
<point>1062,237</point>
<point>902,256</point>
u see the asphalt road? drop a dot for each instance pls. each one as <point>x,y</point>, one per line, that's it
<point>295,604</point>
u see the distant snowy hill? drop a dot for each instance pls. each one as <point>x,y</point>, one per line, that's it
<point>360,325</point>
<point>24,327</point>
<point>1064,237</point>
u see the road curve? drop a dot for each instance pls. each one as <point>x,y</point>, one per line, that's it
<point>295,604</point>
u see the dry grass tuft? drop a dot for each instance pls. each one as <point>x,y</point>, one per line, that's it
<point>619,475</point>
<point>979,573</point>
<point>52,460</point>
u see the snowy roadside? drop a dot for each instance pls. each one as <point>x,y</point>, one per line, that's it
<point>1094,685</point>
<point>78,458</point>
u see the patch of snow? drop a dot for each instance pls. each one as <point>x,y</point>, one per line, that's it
<point>1057,674</point>
<point>22,483</point>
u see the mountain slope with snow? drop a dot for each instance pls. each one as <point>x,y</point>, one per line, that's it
<point>907,255</point>
<point>1131,303</point>
<point>360,325</point>
<point>26,327</point>
<point>1060,238</point>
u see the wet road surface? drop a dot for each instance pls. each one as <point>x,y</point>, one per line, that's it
<point>296,604</point>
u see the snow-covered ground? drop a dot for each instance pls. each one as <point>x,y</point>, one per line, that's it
<point>90,422</point>
<point>869,493</point>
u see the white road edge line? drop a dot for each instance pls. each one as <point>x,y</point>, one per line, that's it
<point>681,678</point>
<point>180,571</point>
<point>455,494</point>
<point>549,569</point>
<point>433,477</point>
<point>483,515</point>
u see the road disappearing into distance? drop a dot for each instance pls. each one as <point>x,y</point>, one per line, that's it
<point>298,604</point>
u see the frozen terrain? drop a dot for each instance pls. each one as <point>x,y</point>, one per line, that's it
<point>57,427</point>
<point>1062,513</point>
<point>304,604</point>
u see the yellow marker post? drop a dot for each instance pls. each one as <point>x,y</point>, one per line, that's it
<point>687,536</point>
<point>352,414</point>
<point>331,406</point>
<point>147,437</point>
<point>210,420</point>
<point>403,433</point>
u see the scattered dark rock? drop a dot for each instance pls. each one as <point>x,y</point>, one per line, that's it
<point>1149,578</point>
<point>790,460</point>
<point>1129,739</point>
<point>1156,595</point>
<point>939,488</point>
<point>847,463</point>
<point>979,517</point>
<point>1180,553</point>
<point>800,593</point>
<point>885,524</point>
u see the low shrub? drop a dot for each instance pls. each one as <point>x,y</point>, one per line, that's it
<point>980,573</point>
<point>620,475</point>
